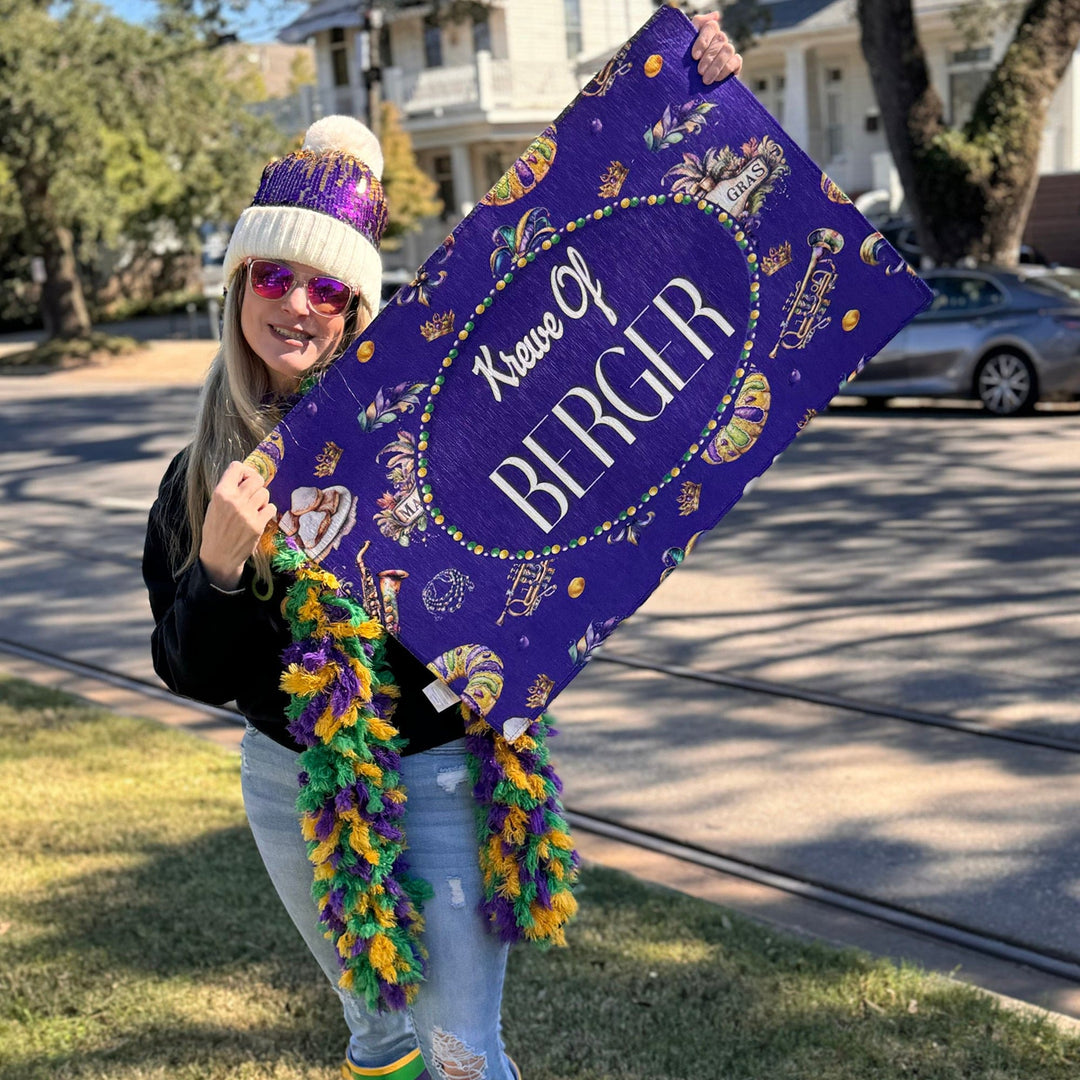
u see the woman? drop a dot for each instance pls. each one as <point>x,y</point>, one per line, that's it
<point>303,275</point>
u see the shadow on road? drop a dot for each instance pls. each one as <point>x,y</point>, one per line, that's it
<point>924,558</point>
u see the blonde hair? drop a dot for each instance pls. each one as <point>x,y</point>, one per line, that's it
<point>236,412</point>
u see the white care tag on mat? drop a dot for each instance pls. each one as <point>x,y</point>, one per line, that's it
<point>515,726</point>
<point>441,696</point>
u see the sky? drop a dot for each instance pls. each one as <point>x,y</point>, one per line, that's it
<point>259,22</point>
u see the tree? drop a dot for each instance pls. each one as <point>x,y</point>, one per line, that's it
<point>410,192</point>
<point>969,189</point>
<point>301,71</point>
<point>742,20</point>
<point>111,133</point>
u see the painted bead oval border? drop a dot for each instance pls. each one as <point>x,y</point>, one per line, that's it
<point>435,513</point>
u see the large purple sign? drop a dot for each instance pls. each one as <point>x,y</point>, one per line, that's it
<point>635,321</point>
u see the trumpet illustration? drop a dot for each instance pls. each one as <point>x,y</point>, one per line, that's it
<point>807,304</point>
<point>528,584</point>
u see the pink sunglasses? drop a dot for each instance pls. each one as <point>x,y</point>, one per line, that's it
<point>272,281</point>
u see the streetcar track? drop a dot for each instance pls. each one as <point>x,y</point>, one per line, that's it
<point>895,915</point>
<point>942,930</point>
<point>746,683</point>
<point>737,682</point>
<point>838,701</point>
<point>114,678</point>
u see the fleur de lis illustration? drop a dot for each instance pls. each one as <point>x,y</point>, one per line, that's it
<point>420,287</point>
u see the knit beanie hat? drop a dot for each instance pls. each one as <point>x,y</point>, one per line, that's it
<point>323,206</point>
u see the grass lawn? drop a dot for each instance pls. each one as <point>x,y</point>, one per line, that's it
<point>140,938</point>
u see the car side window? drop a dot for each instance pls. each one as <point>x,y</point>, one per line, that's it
<point>953,293</point>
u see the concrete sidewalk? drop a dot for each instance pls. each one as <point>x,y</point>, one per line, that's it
<point>177,326</point>
<point>918,557</point>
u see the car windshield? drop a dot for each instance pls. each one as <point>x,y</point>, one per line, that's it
<point>954,293</point>
<point>1061,284</point>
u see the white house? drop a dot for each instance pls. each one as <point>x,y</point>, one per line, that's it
<point>473,94</point>
<point>808,70</point>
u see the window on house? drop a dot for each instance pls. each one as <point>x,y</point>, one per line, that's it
<point>572,13</point>
<point>873,123</point>
<point>964,90</point>
<point>969,70</point>
<point>970,56</point>
<point>481,34</point>
<point>339,57</point>
<point>496,163</point>
<point>432,45</point>
<point>834,125</point>
<point>443,173</point>
<point>386,53</point>
<point>769,90</point>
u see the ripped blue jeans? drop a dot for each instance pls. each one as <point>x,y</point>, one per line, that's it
<point>455,1020</point>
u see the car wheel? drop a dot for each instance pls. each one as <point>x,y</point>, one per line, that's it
<point>1005,383</point>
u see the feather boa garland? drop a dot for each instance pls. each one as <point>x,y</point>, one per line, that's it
<point>351,800</point>
<point>526,855</point>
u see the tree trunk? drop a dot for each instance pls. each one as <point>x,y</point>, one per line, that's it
<point>1016,102</point>
<point>969,191</point>
<point>63,306</point>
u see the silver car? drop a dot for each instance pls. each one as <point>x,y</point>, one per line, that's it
<point>1009,338</point>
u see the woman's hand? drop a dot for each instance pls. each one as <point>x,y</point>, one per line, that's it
<point>716,56</point>
<point>239,510</point>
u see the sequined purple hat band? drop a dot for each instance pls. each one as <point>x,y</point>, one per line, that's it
<point>333,183</point>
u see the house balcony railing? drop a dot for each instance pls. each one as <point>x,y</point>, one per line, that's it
<point>344,100</point>
<point>481,86</point>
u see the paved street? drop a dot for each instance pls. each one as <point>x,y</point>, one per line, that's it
<point>923,557</point>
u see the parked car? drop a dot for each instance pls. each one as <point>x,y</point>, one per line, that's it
<point>1009,338</point>
<point>900,232</point>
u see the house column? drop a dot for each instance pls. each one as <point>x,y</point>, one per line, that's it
<point>1071,110</point>
<point>461,170</point>
<point>393,87</point>
<point>796,96</point>
<point>485,88</point>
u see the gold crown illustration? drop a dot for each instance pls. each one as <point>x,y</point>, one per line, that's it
<point>539,691</point>
<point>611,181</point>
<point>437,326</point>
<point>327,461</point>
<point>777,258</point>
<point>689,498</point>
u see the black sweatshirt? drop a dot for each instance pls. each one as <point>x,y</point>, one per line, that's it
<point>218,647</point>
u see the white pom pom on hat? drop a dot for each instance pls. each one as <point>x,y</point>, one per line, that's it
<point>348,134</point>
